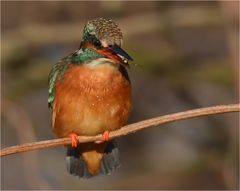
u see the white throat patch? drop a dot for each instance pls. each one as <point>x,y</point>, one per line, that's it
<point>101,61</point>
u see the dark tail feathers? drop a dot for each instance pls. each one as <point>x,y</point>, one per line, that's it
<point>77,167</point>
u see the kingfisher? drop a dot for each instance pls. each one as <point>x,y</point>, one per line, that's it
<point>90,94</point>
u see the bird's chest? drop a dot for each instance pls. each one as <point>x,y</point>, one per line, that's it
<point>89,100</point>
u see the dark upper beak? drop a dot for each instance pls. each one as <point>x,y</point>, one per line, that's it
<point>117,54</point>
<point>118,50</point>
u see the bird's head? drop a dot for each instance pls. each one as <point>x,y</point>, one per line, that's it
<point>105,37</point>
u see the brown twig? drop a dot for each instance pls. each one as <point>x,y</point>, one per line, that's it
<point>126,129</point>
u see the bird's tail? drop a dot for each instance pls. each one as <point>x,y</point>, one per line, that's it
<point>77,166</point>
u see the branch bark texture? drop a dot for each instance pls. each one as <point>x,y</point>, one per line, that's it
<point>131,128</point>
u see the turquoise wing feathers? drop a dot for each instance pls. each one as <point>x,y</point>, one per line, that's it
<point>57,73</point>
<point>60,67</point>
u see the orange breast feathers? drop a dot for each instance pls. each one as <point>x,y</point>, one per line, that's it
<point>90,100</point>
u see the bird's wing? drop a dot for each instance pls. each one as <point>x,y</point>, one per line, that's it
<point>56,74</point>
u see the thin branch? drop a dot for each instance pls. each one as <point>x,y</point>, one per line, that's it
<point>126,129</point>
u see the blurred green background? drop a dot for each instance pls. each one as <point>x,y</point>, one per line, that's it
<point>187,54</point>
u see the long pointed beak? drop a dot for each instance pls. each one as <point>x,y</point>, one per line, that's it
<point>118,50</point>
<point>117,54</point>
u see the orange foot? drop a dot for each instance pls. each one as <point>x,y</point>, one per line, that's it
<point>105,137</point>
<point>74,139</point>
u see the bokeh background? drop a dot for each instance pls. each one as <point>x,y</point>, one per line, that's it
<point>187,55</point>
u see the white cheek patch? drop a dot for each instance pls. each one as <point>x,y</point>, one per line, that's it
<point>104,43</point>
<point>80,51</point>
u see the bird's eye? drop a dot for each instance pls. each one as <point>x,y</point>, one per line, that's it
<point>97,43</point>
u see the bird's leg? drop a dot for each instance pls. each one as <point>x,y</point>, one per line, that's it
<point>105,137</point>
<point>74,139</point>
